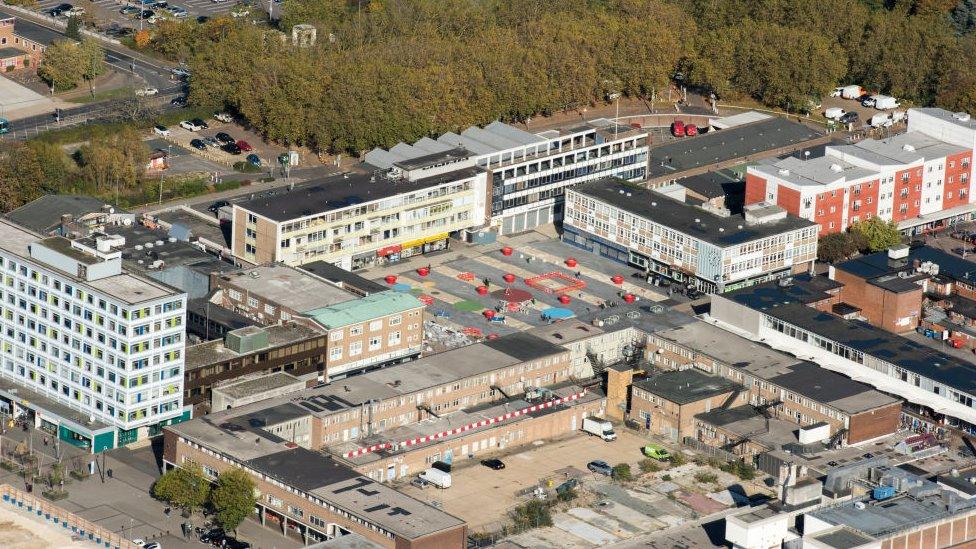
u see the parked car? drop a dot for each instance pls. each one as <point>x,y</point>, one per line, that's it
<point>178,102</point>
<point>419,483</point>
<point>834,113</point>
<point>678,128</point>
<point>837,92</point>
<point>216,206</point>
<point>225,138</point>
<point>244,145</point>
<point>160,129</point>
<point>198,144</point>
<point>656,451</point>
<point>849,118</point>
<point>232,148</point>
<point>200,122</point>
<point>867,102</point>
<point>202,19</point>
<point>187,125</point>
<point>570,484</point>
<point>600,467</point>
<point>691,130</point>
<point>159,5</point>
<point>75,12</point>
<point>153,545</point>
<point>211,142</point>
<point>129,10</point>
<point>223,117</point>
<point>495,464</point>
<point>179,12</point>
<point>180,72</point>
<point>147,14</point>
<point>60,9</point>
<point>254,160</point>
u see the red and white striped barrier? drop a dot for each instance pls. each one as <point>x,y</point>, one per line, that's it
<point>458,430</point>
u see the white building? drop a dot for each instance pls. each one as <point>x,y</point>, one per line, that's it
<point>528,173</point>
<point>91,353</point>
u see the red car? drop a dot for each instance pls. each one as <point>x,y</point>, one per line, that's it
<point>245,146</point>
<point>691,130</point>
<point>678,128</point>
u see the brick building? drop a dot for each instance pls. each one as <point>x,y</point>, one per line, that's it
<point>17,51</point>
<point>665,404</point>
<point>920,180</point>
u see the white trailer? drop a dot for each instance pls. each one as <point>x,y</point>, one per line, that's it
<point>880,120</point>
<point>599,427</point>
<point>884,102</point>
<point>834,113</point>
<point>437,477</point>
<point>851,92</point>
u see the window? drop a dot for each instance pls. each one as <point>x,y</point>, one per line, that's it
<point>251,302</point>
<point>336,335</point>
<point>394,339</point>
<point>356,330</point>
<point>375,343</point>
<point>274,501</point>
<point>335,353</point>
<point>395,321</point>
<point>356,348</point>
<point>375,325</point>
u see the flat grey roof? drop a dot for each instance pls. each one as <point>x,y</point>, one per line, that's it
<point>340,191</point>
<point>289,287</point>
<point>260,384</point>
<point>790,373</point>
<point>724,145</point>
<point>338,275</point>
<point>44,214</point>
<point>881,518</point>
<point>685,218</point>
<point>685,386</point>
<point>813,172</point>
<point>211,352</point>
<point>843,538</point>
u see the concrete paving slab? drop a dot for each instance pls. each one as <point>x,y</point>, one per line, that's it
<point>583,530</point>
<point>14,97</point>
<point>603,522</point>
<point>634,518</point>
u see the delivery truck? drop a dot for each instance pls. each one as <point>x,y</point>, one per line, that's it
<point>599,427</point>
<point>834,113</point>
<point>437,477</point>
<point>851,92</point>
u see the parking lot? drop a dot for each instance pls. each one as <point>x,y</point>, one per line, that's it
<point>107,11</point>
<point>218,159</point>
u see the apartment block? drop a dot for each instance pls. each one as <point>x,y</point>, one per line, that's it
<point>919,180</point>
<point>92,354</point>
<point>364,331</point>
<point>663,235</point>
<point>528,173</point>
<point>357,220</point>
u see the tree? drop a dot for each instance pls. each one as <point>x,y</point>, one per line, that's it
<point>142,38</point>
<point>877,234</point>
<point>92,59</point>
<point>621,472</point>
<point>233,498</point>
<point>73,30</point>
<point>836,247</point>
<point>185,487</point>
<point>62,67</point>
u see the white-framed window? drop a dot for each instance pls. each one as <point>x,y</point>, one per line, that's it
<point>375,343</point>
<point>234,294</point>
<point>395,320</point>
<point>336,335</point>
<point>394,339</point>
<point>275,501</point>
<point>356,330</point>
<point>375,325</point>
<point>252,302</point>
<point>335,353</point>
<point>269,309</point>
<point>356,348</point>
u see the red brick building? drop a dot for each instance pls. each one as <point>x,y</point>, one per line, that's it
<point>16,51</point>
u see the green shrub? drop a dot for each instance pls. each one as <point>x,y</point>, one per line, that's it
<point>649,466</point>
<point>567,495</point>
<point>706,477</point>
<point>246,167</point>
<point>677,459</point>
<point>532,514</point>
<point>666,477</point>
<point>55,495</point>
<point>621,472</point>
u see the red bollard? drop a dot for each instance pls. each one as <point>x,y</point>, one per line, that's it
<point>423,271</point>
<point>391,279</point>
<point>629,298</point>
<point>507,250</point>
<point>617,279</point>
<point>564,299</point>
<point>489,314</point>
<point>509,277</point>
<point>482,290</point>
<point>571,263</point>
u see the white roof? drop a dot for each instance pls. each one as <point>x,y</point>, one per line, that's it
<point>740,119</point>
<point>819,171</point>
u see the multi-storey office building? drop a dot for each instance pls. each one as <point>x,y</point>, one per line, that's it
<point>359,220</point>
<point>93,353</point>
<point>920,179</point>
<point>663,235</point>
<point>528,173</point>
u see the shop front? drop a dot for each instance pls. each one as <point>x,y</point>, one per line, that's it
<point>420,246</point>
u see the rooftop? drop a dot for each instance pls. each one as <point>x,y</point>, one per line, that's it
<point>214,351</point>
<point>725,145</point>
<point>960,119</point>
<point>745,422</point>
<point>32,31</point>
<point>880,344</point>
<point>690,220</point>
<point>343,278</point>
<point>340,191</point>
<point>902,512</point>
<point>685,386</point>
<point>786,371</point>
<point>289,287</point>
<point>362,309</point>
<point>873,266</point>
<point>802,289</point>
<point>842,538</point>
<point>822,170</point>
<point>256,385</point>
<point>900,149</point>
<point>713,184</point>
<point>44,214</point>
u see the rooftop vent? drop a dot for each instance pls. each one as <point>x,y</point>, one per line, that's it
<point>836,168</point>
<point>653,203</point>
<point>907,147</point>
<point>784,171</point>
<point>961,116</point>
<point>899,251</point>
<point>697,220</point>
<point>622,191</point>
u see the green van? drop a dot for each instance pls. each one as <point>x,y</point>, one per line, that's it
<point>657,452</point>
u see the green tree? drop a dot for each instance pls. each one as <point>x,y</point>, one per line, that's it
<point>73,29</point>
<point>836,247</point>
<point>233,498</point>
<point>185,487</point>
<point>532,514</point>
<point>62,67</point>
<point>92,59</point>
<point>877,234</point>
